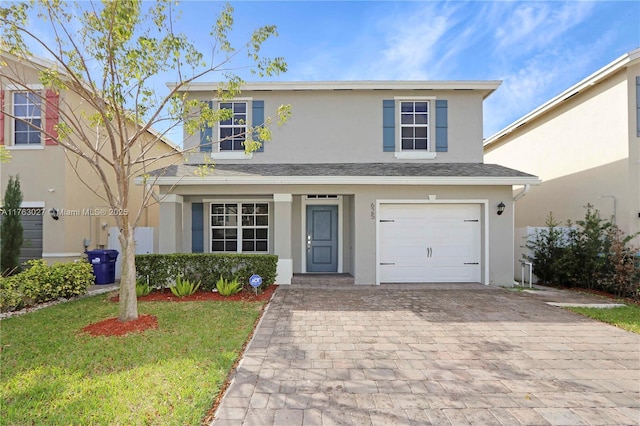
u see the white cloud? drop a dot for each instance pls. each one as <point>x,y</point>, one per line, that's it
<point>534,25</point>
<point>540,79</point>
<point>412,43</point>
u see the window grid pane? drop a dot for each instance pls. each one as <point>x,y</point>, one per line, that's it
<point>232,132</point>
<point>240,227</point>
<point>224,231</point>
<point>255,222</point>
<point>27,124</point>
<point>414,125</point>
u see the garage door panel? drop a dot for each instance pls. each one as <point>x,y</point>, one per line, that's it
<point>430,243</point>
<point>457,274</point>
<point>401,274</point>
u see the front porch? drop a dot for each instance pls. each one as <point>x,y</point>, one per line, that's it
<point>322,280</point>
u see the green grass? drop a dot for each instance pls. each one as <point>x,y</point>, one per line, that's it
<point>626,317</point>
<point>52,373</point>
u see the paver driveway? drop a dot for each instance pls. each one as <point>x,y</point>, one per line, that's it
<point>463,354</point>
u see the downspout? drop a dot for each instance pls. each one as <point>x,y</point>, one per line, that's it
<point>519,195</point>
<point>522,193</point>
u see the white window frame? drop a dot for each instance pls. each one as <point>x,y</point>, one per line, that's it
<point>413,154</point>
<point>218,154</point>
<point>28,91</point>
<point>239,226</point>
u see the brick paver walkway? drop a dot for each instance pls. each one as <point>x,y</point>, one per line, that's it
<point>439,355</point>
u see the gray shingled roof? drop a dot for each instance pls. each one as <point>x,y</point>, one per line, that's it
<point>349,169</point>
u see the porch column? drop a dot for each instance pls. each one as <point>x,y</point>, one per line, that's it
<point>282,205</point>
<point>170,235</point>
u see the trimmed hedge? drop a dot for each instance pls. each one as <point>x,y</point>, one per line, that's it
<point>162,269</point>
<point>42,283</point>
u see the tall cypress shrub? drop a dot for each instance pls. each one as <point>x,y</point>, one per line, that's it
<point>11,231</point>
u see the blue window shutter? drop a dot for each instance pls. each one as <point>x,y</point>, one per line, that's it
<point>257,118</point>
<point>442,138</point>
<point>638,105</point>
<point>197,230</point>
<point>206,136</point>
<point>388,125</point>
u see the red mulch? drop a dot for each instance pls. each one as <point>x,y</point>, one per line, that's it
<point>165,295</point>
<point>114,327</point>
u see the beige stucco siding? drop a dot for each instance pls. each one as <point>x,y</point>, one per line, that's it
<point>66,184</point>
<point>41,173</point>
<point>587,131</point>
<point>359,220</point>
<point>585,150</point>
<point>346,126</point>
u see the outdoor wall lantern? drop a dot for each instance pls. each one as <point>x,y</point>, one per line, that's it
<point>501,207</point>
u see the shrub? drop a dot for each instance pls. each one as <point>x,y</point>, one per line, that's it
<point>546,248</point>
<point>586,263</point>
<point>206,267</point>
<point>228,287</point>
<point>10,294</point>
<point>41,283</point>
<point>184,287</point>
<point>625,266</point>
<point>142,287</point>
<point>593,254</point>
<point>11,230</point>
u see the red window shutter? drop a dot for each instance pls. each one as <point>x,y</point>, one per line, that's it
<point>51,116</point>
<point>1,117</point>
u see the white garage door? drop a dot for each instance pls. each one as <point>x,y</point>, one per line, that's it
<point>429,243</point>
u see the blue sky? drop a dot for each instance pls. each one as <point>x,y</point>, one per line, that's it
<point>537,48</point>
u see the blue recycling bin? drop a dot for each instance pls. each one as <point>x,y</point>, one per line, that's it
<point>104,265</point>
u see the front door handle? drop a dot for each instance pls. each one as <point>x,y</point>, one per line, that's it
<point>309,242</point>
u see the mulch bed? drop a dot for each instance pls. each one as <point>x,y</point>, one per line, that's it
<point>114,327</point>
<point>165,295</point>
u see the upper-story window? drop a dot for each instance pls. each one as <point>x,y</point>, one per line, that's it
<point>415,128</point>
<point>414,125</point>
<point>28,121</point>
<point>233,132</point>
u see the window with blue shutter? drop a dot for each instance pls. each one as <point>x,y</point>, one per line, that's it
<point>206,136</point>
<point>233,131</point>
<point>388,125</point>
<point>442,139</point>
<point>257,119</point>
<point>197,228</point>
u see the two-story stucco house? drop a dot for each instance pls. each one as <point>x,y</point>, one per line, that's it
<point>52,180</point>
<point>584,144</point>
<point>383,181</point>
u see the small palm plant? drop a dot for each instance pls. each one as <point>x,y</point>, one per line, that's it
<point>142,287</point>
<point>184,287</point>
<point>228,287</point>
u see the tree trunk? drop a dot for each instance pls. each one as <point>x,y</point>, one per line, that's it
<point>128,309</point>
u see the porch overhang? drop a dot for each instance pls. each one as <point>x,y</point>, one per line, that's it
<point>473,174</point>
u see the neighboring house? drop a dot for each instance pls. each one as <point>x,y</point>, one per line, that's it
<point>584,144</point>
<point>384,181</point>
<point>49,180</point>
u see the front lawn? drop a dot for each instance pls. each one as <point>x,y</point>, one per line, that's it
<point>626,317</point>
<point>53,373</point>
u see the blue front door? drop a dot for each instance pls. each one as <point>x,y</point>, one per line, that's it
<point>322,238</point>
